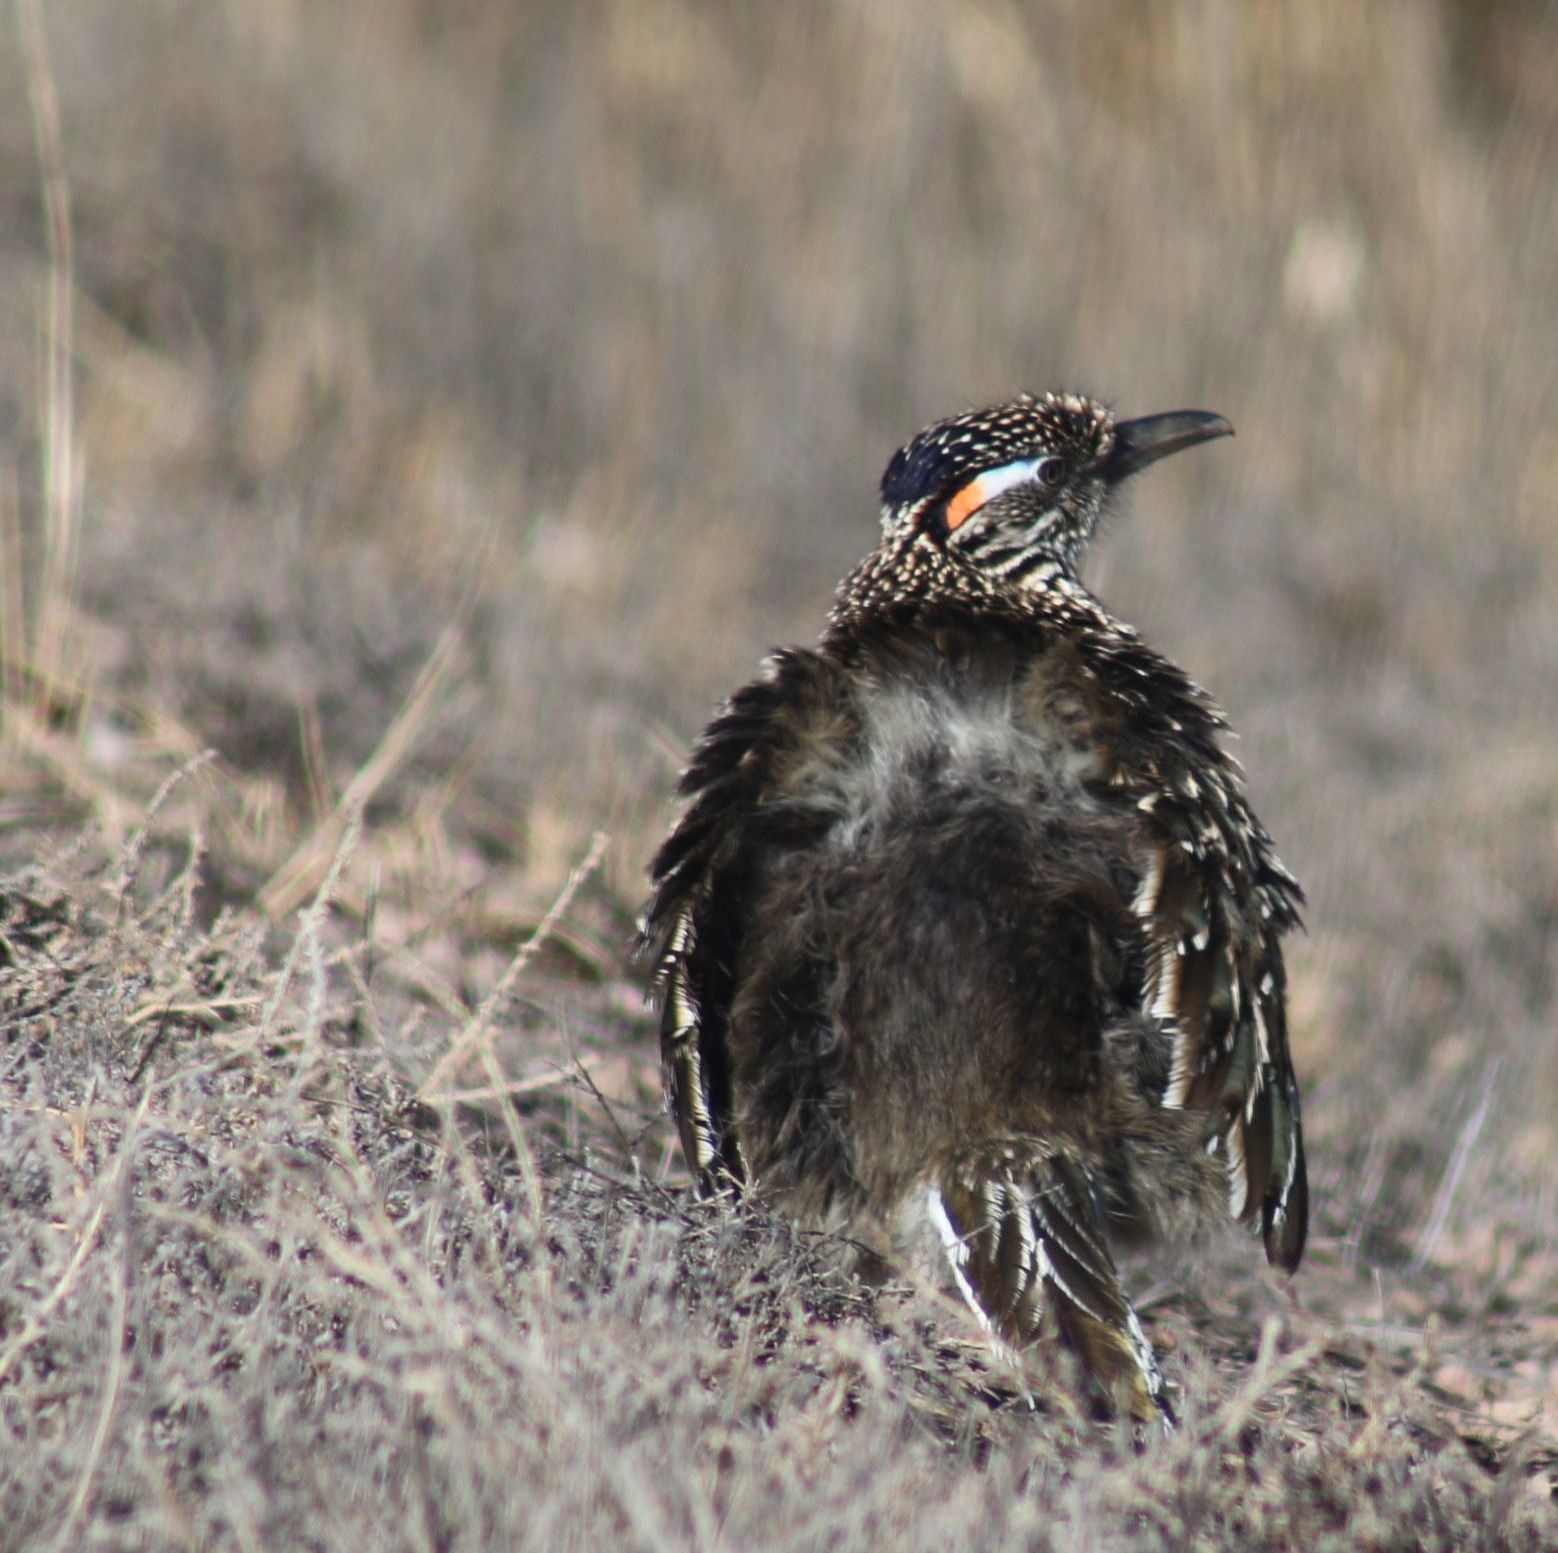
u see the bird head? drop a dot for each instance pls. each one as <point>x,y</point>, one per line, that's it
<point>1015,491</point>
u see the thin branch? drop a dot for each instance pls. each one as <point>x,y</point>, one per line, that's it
<point>61,496</point>
<point>310,922</point>
<point>523,1086</point>
<point>38,1318</point>
<point>1444,1200</point>
<point>111,1383</point>
<point>478,1029</point>
<point>293,880</point>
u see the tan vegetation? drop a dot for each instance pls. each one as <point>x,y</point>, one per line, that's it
<point>431,410</point>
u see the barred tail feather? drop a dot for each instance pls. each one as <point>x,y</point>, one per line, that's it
<point>1285,1211</point>
<point>1026,1250</point>
<point>689,1085</point>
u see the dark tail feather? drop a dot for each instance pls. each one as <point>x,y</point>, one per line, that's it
<point>1025,1245</point>
<point>1285,1211</point>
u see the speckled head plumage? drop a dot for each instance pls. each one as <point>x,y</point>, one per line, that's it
<point>1014,491</point>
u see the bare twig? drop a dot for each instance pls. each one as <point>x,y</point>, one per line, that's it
<point>522,1086</point>
<point>13,622</point>
<point>38,1318</point>
<point>1267,1373</point>
<point>477,1031</point>
<point>60,484</point>
<point>588,1080</point>
<point>298,875</point>
<point>310,922</point>
<point>130,853</point>
<point>119,1276</point>
<point>1444,1199</point>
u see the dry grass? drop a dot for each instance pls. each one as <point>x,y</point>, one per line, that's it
<point>258,1295</point>
<point>432,410</point>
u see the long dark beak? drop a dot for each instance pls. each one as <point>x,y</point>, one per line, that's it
<point>1142,442</point>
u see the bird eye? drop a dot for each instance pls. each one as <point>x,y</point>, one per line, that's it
<point>983,489</point>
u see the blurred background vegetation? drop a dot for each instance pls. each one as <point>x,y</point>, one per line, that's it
<point>586,330</point>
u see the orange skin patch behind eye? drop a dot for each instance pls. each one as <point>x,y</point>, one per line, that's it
<point>966,503</point>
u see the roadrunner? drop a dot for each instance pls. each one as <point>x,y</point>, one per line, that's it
<point>967,922</point>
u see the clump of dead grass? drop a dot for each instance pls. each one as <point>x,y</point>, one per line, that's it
<point>256,1293</point>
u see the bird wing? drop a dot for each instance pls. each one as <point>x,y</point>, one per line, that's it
<point>702,879</point>
<point>1214,901</point>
